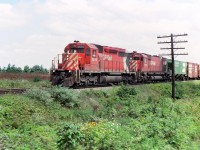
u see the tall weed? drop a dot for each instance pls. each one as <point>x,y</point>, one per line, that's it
<point>125,91</point>
<point>40,95</point>
<point>70,137</point>
<point>66,97</point>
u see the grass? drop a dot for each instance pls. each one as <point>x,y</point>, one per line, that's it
<point>21,83</point>
<point>141,117</point>
<point>26,124</point>
<point>26,76</point>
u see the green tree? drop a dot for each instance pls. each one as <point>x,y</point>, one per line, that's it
<point>19,69</point>
<point>4,69</point>
<point>13,68</point>
<point>36,68</point>
<point>8,69</point>
<point>43,70</point>
<point>27,69</point>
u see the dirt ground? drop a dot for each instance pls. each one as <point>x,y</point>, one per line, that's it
<point>27,76</point>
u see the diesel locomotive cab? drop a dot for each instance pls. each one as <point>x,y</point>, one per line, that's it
<point>73,60</point>
<point>135,62</point>
<point>67,71</point>
<point>73,57</point>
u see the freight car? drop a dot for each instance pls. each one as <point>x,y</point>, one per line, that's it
<point>192,70</point>
<point>89,64</point>
<point>180,68</point>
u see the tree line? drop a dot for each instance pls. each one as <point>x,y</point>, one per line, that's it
<point>26,69</point>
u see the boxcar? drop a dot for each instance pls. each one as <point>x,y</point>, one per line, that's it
<point>180,69</point>
<point>198,71</point>
<point>192,70</point>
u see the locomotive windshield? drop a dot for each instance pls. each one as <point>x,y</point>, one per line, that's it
<point>136,58</point>
<point>77,49</point>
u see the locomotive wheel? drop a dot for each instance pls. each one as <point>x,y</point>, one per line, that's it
<point>116,83</point>
<point>55,80</point>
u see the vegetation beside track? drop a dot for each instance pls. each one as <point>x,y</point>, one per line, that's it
<point>36,73</point>
<point>125,117</point>
<point>24,84</point>
<point>25,76</point>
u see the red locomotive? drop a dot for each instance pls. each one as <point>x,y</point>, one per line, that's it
<point>86,64</point>
<point>149,67</point>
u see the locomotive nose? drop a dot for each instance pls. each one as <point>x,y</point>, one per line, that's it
<point>70,61</point>
<point>133,65</point>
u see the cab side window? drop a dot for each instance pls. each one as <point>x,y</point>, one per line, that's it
<point>87,52</point>
<point>94,53</point>
<point>145,60</point>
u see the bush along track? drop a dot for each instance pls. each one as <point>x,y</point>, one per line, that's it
<point>125,117</point>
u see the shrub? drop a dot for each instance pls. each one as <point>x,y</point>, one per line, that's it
<point>36,79</point>
<point>40,95</point>
<point>106,135</point>
<point>126,91</point>
<point>94,94</point>
<point>70,136</point>
<point>66,97</point>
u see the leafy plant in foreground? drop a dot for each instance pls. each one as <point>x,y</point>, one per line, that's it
<point>106,135</point>
<point>70,137</point>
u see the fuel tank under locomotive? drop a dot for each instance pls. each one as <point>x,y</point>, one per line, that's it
<point>69,81</point>
<point>110,79</point>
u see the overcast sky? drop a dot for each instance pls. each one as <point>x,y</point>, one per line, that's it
<point>34,31</point>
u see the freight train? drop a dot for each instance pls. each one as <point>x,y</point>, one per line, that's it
<point>90,64</point>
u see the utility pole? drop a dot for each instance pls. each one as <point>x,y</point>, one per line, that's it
<point>172,47</point>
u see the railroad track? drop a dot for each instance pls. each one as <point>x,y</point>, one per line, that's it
<point>79,88</point>
<point>104,87</point>
<point>12,91</point>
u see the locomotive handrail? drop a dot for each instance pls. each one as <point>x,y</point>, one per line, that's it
<point>56,61</point>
